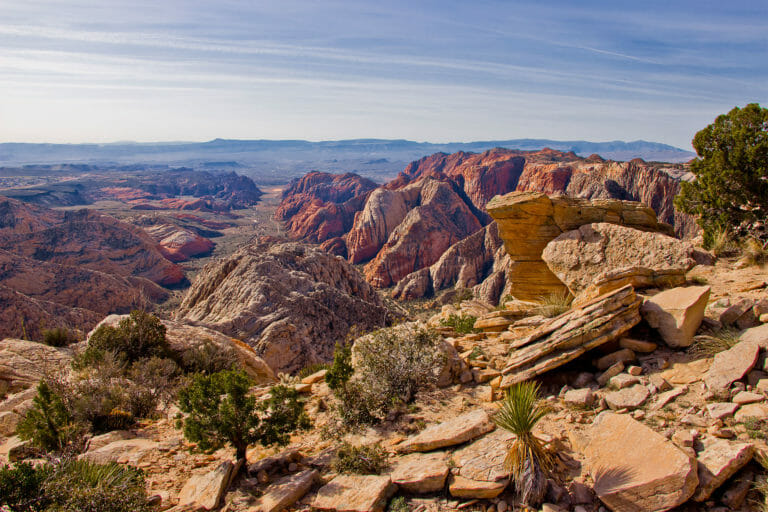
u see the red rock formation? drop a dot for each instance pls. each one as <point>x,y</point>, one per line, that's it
<point>178,244</point>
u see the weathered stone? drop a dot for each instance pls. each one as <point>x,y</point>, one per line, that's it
<point>644,347</point>
<point>677,313</point>
<point>747,397</point>
<point>206,490</point>
<point>620,356</point>
<point>482,375</point>
<point>128,451</point>
<point>287,490</point>
<point>97,442</point>
<point>9,420</point>
<point>623,380</point>
<point>733,312</point>
<point>737,492</point>
<point>483,460</point>
<point>608,374</point>
<point>421,473</point>
<point>528,221</point>
<point>686,373</point>
<point>634,468</point>
<point>731,365</point>
<point>494,324</point>
<point>23,363</point>
<point>719,461</point>
<point>461,487</point>
<point>720,410</point>
<point>758,335</point>
<point>355,493</point>
<point>597,258</point>
<point>279,461</point>
<point>455,431</point>
<point>579,397</point>
<point>566,337</point>
<point>758,410</point>
<point>15,449</point>
<point>628,398</point>
<point>664,398</point>
<point>315,377</point>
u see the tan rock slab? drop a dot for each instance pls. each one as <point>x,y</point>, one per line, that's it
<point>9,420</point>
<point>759,411</point>
<point>644,347</point>
<point>15,449</point>
<point>287,490</point>
<point>720,410</point>
<point>664,398</point>
<point>608,374</point>
<point>484,374</point>
<point>624,355</point>
<point>686,373</point>
<point>129,451</point>
<point>461,487</point>
<point>583,397</point>
<point>757,335</point>
<point>355,493</point>
<point>635,469</point>
<point>315,377</point>
<point>677,313</point>
<point>747,397</point>
<point>628,398</point>
<point>103,440</point>
<point>455,431</point>
<point>421,473</point>
<point>731,365</point>
<point>623,380</point>
<point>720,460</point>
<point>483,460</point>
<point>206,490</point>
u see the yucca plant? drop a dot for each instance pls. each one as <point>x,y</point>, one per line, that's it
<point>527,459</point>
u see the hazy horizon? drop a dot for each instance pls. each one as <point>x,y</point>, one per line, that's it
<point>193,70</point>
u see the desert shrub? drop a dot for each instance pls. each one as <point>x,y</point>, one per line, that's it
<point>462,294</point>
<point>341,370</point>
<point>49,424</point>
<point>220,411</point>
<point>356,406</point>
<point>208,358</point>
<point>461,324</point>
<point>398,504</point>
<point>722,243</point>
<point>141,335</point>
<point>21,487</point>
<point>313,368</point>
<point>753,252</point>
<point>362,460</point>
<point>155,381</point>
<point>84,486</point>
<point>58,337</point>
<point>554,304</point>
<point>713,342</point>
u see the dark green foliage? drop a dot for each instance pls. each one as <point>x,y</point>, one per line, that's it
<point>221,411</point>
<point>21,487</point>
<point>83,486</point>
<point>58,337</point>
<point>461,324</point>
<point>731,187</point>
<point>141,335</point>
<point>49,424</point>
<point>363,460</point>
<point>341,370</point>
<point>398,504</point>
<point>208,358</point>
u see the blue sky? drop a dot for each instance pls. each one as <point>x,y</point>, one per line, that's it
<point>99,71</point>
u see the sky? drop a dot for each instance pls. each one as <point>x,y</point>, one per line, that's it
<point>437,71</point>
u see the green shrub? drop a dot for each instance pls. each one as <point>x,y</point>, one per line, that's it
<point>141,335</point>
<point>155,381</point>
<point>398,504</point>
<point>84,486</point>
<point>58,337</point>
<point>341,370</point>
<point>220,411</point>
<point>461,324</point>
<point>21,487</point>
<point>362,460</point>
<point>49,424</point>
<point>313,368</point>
<point>208,358</point>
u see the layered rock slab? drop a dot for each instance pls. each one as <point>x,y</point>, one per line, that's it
<point>460,429</point>
<point>634,468</point>
<point>421,473</point>
<point>355,493</point>
<point>677,313</point>
<point>23,363</point>
<point>528,221</point>
<point>566,337</point>
<point>287,490</point>
<point>717,462</point>
<point>731,365</point>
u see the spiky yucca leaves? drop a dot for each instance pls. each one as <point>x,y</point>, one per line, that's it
<point>527,459</point>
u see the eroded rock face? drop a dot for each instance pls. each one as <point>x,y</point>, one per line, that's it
<point>23,363</point>
<point>596,258</point>
<point>179,244</point>
<point>455,431</point>
<point>528,221</point>
<point>634,468</point>
<point>290,302</point>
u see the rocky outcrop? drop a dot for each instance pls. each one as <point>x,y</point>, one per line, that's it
<point>290,302</point>
<point>179,244</point>
<point>23,363</point>
<point>596,258</point>
<point>566,337</point>
<point>528,221</point>
<point>355,493</point>
<point>677,313</point>
<point>455,431</point>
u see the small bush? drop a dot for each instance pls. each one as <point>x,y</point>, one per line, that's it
<point>83,486</point>
<point>362,460</point>
<point>209,358</point>
<point>49,425</point>
<point>722,243</point>
<point>707,345</point>
<point>753,252</point>
<point>341,370</point>
<point>141,335</point>
<point>21,487</point>
<point>554,304</point>
<point>398,504</point>
<point>58,337</point>
<point>461,324</point>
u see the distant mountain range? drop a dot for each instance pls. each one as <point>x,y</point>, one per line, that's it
<point>276,160</point>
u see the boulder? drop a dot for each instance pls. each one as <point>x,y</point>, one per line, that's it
<point>15,449</point>
<point>731,365</point>
<point>758,335</point>
<point>747,397</point>
<point>206,490</point>
<point>642,346</point>
<point>758,410</point>
<point>566,337</point>
<point>355,493</point>
<point>23,363</point>
<point>634,468</point>
<point>677,313</point>
<point>528,221</point>
<point>127,451</point>
<point>720,410</point>
<point>483,460</point>
<point>627,398</point>
<point>460,429</point>
<point>100,441</point>
<point>717,462</point>
<point>579,397</point>
<point>9,420</point>
<point>597,258</point>
<point>420,473</point>
<point>287,490</point>
<point>461,487</point>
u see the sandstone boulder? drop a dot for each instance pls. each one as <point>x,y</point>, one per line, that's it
<point>421,473</point>
<point>634,468</point>
<point>460,429</point>
<point>627,398</point>
<point>23,363</point>
<point>717,462</point>
<point>731,365</point>
<point>461,487</point>
<point>286,491</point>
<point>206,490</point>
<point>126,451</point>
<point>483,460</point>
<point>355,493</point>
<point>597,258</point>
<point>566,337</point>
<point>677,313</point>
<point>757,335</point>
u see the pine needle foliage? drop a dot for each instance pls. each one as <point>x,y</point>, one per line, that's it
<point>527,459</point>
